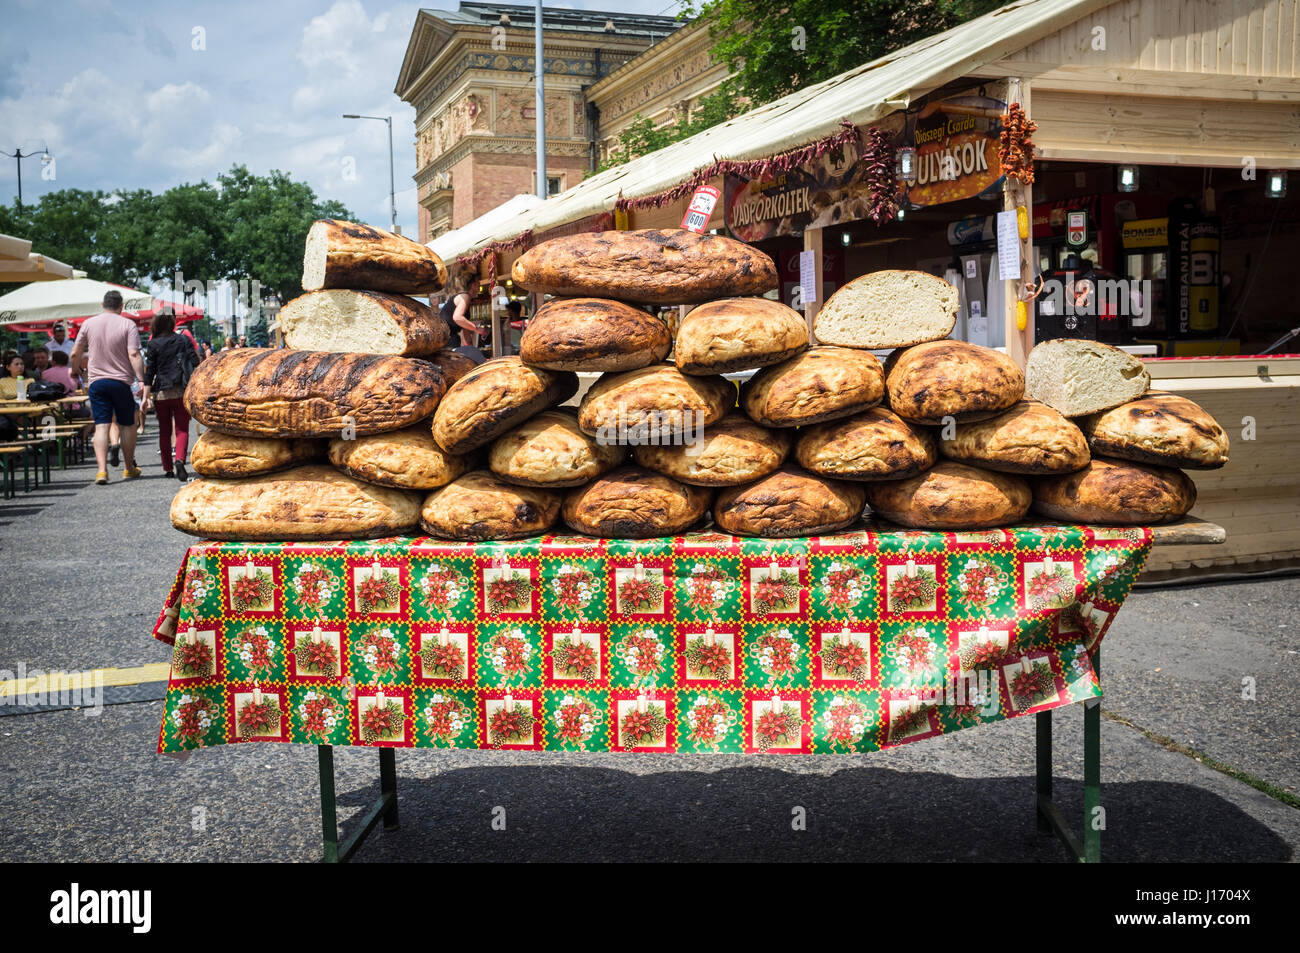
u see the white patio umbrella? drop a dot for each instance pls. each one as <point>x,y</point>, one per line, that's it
<point>61,300</point>
<point>19,264</point>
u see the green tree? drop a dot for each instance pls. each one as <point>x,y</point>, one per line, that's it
<point>265,220</point>
<point>642,136</point>
<point>776,48</point>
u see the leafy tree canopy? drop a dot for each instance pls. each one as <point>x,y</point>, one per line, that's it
<point>774,49</point>
<point>245,227</point>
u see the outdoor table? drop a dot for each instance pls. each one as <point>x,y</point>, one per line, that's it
<point>708,643</point>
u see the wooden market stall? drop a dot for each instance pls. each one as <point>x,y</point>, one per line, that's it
<point>1165,133</point>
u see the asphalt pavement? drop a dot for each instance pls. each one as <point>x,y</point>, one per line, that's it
<point>1199,743</point>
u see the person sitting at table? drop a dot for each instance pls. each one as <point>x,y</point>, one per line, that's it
<point>59,340</point>
<point>39,363</point>
<point>61,373</point>
<point>14,369</point>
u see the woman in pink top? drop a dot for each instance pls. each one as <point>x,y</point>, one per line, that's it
<point>59,372</point>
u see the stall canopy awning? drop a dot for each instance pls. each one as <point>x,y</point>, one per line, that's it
<point>861,96</point>
<point>48,301</point>
<point>450,244</point>
<point>19,264</point>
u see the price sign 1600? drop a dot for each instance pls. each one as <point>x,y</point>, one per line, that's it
<point>701,208</point>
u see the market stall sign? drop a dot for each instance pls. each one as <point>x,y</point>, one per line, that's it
<point>830,190</point>
<point>701,208</point>
<point>956,142</point>
<point>1076,228</point>
<point>1145,233</point>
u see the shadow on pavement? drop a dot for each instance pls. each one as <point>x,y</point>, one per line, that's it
<point>745,814</point>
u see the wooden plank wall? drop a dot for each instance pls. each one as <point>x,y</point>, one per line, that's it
<point>1231,37</point>
<point>1255,496</point>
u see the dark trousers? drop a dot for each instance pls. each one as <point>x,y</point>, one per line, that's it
<point>170,411</point>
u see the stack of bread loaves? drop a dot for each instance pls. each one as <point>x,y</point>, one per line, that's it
<point>944,435</point>
<point>1008,440</point>
<point>365,368</point>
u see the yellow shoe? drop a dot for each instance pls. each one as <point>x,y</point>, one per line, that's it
<point>130,473</point>
<point>101,478</point>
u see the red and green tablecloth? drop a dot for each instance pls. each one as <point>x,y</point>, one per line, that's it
<point>706,642</point>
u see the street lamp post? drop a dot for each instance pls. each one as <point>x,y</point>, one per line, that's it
<point>18,156</point>
<point>392,182</point>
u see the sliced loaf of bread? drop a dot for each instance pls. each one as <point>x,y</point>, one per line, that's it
<point>1078,377</point>
<point>888,309</point>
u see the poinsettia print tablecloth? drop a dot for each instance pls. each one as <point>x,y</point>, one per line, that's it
<point>708,643</point>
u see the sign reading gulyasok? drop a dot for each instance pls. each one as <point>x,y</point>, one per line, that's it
<point>956,143</point>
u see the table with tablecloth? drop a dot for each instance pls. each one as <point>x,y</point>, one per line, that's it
<point>851,642</point>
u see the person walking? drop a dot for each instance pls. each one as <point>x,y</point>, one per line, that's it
<point>169,360</point>
<point>108,347</point>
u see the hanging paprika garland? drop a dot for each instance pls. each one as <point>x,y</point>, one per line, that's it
<point>470,262</point>
<point>879,160</point>
<point>747,168</point>
<point>1016,149</point>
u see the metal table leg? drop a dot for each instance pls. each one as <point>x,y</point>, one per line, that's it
<point>336,851</point>
<point>1049,817</point>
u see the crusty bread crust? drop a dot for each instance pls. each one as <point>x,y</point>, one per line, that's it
<point>306,503</point>
<point>874,445</point>
<point>651,266</point>
<point>496,396</point>
<point>952,496</point>
<point>822,383</point>
<point>480,505</point>
<point>226,457</point>
<point>350,255</point>
<point>1161,429</point>
<point>940,379</point>
<point>1030,438</point>
<point>789,503</point>
<point>1116,491</point>
<point>265,392</point>
<point>594,334</point>
<point>737,334</point>
<point>634,503</point>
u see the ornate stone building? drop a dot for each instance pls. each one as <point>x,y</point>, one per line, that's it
<point>664,84</point>
<point>469,75</point>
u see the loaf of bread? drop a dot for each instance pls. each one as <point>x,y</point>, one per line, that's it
<point>1079,377</point>
<point>1116,491</point>
<point>594,334</point>
<point>551,450</point>
<point>1159,428</point>
<point>733,451</point>
<point>350,255</point>
<point>366,322</point>
<point>651,266</point>
<point>494,397</point>
<point>225,456</point>
<point>409,459</point>
<point>888,309</point>
<point>305,503</point>
<point>658,400</point>
<point>876,444</point>
<point>265,392</point>
<point>480,505</point>
<point>822,383</point>
<point>788,503</point>
<point>634,503</point>
<point>454,365</point>
<point>736,334</point>
<point>951,496</point>
<point>930,382</point>
<point>1029,438</point>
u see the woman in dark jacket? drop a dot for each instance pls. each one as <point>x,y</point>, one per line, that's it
<point>169,359</point>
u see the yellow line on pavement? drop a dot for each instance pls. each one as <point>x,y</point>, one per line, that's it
<point>71,681</point>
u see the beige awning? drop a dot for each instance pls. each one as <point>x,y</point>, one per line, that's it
<point>861,95</point>
<point>450,244</point>
<point>19,264</point>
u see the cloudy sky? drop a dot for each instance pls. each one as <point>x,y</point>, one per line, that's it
<point>149,94</point>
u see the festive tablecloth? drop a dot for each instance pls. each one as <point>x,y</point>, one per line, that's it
<point>853,642</point>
